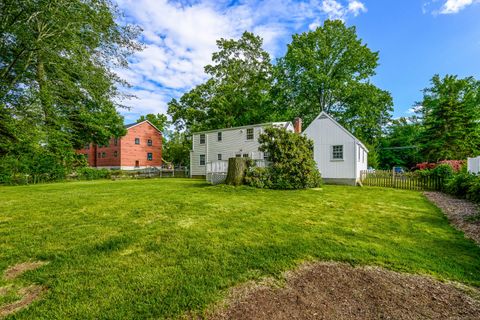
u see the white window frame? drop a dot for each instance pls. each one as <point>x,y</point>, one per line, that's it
<point>204,138</point>
<point>219,157</point>
<point>219,136</point>
<point>334,153</point>
<point>202,158</point>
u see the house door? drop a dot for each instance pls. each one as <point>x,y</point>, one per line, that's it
<point>137,164</point>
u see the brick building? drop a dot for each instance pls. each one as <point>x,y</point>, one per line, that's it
<point>140,148</point>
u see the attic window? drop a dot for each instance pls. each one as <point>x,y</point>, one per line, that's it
<point>250,134</point>
<point>219,136</point>
<point>337,152</point>
<point>149,142</point>
<point>137,140</point>
<point>202,138</point>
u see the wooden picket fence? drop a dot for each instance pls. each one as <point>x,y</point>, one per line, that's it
<point>406,180</point>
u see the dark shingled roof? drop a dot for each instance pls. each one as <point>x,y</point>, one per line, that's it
<point>130,125</point>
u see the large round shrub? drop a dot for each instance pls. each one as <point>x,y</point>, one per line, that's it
<point>291,164</point>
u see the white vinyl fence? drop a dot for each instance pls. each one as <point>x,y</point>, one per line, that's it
<point>473,165</point>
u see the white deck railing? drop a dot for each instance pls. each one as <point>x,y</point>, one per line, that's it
<point>217,170</point>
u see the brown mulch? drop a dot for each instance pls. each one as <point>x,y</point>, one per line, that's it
<point>458,212</point>
<point>29,295</point>
<point>18,269</point>
<point>340,291</point>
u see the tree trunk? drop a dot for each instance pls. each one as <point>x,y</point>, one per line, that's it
<point>236,171</point>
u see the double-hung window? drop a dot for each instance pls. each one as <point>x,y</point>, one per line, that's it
<point>137,140</point>
<point>149,142</point>
<point>202,138</point>
<point>202,159</point>
<point>219,136</point>
<point>149,156</point>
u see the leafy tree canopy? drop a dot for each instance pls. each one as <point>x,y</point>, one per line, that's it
<point>237,92</point>
<point>56,60</point>
<point>57,85</point>
<point>400,144</point>
<point>329,69</point>
<point>450,111</point>
<point>177,149</point>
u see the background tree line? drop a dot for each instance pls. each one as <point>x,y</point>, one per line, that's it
<point>58,90</point>
<point>330,69</point>
<point>445,126</point>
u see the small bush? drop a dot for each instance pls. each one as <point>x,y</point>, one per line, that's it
<point>473,192</point>
<point>87,173</point>
<point>459,184</point>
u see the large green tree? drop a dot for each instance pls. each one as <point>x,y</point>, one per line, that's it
<point>57,84</point>
<point>56,60</point>
<point>236,93</point>
<point>451,118</point>
<point>329,69</point>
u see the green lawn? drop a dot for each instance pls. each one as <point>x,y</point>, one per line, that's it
<point>159,248</point>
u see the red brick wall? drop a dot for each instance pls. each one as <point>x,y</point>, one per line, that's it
<point>131,152</point>
<point>106,154</point>
<point>127,151</point>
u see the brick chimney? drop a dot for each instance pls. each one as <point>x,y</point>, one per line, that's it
<point>297,125</point>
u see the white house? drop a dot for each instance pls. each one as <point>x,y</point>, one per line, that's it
<point>216,146</point>
<point>339,155</point>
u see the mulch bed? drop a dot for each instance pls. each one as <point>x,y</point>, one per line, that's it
<point>460,213</point>
<point>339,291</point>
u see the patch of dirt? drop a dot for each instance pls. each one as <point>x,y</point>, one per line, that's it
<point>460,213</point>
<point>29,295</point>
<point>340,291</point>
<point>18,269</point>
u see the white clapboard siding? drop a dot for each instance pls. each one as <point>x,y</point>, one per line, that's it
<point>473,165</point>
<point>233,143</point>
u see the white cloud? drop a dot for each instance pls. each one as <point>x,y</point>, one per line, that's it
<point>333,9</point>
<point>356,7</point>
<point>180,38</point>
<point>454,6</point>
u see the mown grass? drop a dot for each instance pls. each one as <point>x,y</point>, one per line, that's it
<point>160,248</point>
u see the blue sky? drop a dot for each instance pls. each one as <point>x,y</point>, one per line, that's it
<point>415,38</point>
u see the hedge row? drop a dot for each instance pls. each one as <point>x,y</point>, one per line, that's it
<point>459,183</point>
